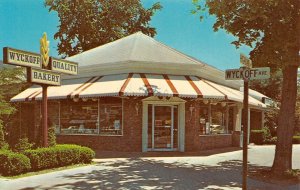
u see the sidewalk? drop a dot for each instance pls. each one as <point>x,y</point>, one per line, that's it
<point>210,171</point>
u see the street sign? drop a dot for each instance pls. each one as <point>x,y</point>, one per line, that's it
<point>63,66</point>
<point>21,58</point>
<point>245,61</point>
<point>250,74</point>
<point>43,76</point>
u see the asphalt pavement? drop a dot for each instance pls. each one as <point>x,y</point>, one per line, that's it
<point>220,170</point>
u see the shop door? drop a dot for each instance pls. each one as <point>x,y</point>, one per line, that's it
<point>164,129</point>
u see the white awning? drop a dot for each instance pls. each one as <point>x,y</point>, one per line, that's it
<point>137,84</point>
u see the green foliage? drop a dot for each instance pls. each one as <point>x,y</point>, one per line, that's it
<point>2,141</point>
<point>85,24</point>
<point>268,138</point>
<point>270,26</point>
<point>23,145</point>
<point>13,163</point>
<point>256,136</point>
<point>11,83</point>
<point>59,155</point>
<point>296,139</point>
<point>272,29</point>
<point>51,135</point>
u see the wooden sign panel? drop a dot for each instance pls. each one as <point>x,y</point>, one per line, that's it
<point>63,66</point>
<point>42,76</point>
<point>21,58</point>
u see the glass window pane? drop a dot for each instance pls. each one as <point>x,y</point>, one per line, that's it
<point>79,117</point>
<point>111,116</point>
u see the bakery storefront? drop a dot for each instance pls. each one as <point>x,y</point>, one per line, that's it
<point>136,94</point>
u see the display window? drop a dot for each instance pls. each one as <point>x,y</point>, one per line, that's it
<point>111,116</point>
<point>92,116</point>
<point>218,119</point>
<point>79,118</point>
<point>204,119</point>
<point>213,119</point>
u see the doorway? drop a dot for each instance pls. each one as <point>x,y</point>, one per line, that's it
<point>162,127</point>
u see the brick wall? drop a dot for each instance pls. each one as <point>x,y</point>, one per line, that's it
<point>194,141</point>
<point>132,132</point>
<point>206,142</point>
<point>192,126</point>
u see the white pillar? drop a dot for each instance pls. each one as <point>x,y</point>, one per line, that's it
<point>238,117</point>
<point>249,126</point>
<point>181,111</point>
<point>226,118</point>
<point>145,127</point>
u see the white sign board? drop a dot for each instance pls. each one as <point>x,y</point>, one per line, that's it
<point>251,74</point>
<point>42,76</point>
<point>245,61</point>
<point>63,66</point>
<point>21,58</point>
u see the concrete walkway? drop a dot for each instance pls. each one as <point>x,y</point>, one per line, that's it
<point>186,171</point>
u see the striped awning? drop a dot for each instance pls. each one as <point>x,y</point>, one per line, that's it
<point>137,84</point>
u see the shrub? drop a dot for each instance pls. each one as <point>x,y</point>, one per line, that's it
<point>296,139</point>
<point>271,140</point>
<point>3,144</point>
<point>42,158</point>
<point>23,145</point>
<point>13,163</point>
<point>59,155</point>
<point>257,136</point>
<point>51,135</point>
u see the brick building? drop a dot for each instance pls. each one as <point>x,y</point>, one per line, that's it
<point>136,94</point>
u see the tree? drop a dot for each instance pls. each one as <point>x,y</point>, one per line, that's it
<point>272,28</point>
<point>8,77</point>
<point>85,24</point>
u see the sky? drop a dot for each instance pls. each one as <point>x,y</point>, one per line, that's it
<point>22,23</point>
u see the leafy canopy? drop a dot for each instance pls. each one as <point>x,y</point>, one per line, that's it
<point>272,27</point>
<point>11,82</point>
<point>85,24</point>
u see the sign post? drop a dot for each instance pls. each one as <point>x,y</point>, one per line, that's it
<point>246,73</point>
<point>39,71</point>
<point>245,132</point>
<point>44,51</point>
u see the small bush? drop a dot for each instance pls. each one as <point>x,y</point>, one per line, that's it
<point>13,163</point>
<point>4,146</point>
<point>51,136</point>
<point>59,155</point>
<point>23,145</point>
<point>271,140</point>
<point>296,139</point>
<point>257,136</point>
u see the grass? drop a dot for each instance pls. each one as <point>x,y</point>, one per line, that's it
<point>46,171</point>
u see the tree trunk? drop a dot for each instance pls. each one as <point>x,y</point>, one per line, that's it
<point>286,121</point>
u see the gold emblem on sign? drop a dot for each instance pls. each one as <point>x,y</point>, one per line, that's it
<point>44,49</point>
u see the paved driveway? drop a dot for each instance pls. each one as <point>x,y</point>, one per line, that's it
<point>216,171</point>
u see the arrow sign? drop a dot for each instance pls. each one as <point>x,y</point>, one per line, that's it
<point>250,74</point>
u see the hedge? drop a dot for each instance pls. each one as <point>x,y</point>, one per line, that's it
<point>59,155</point>
<point>296,139</point>
<point>256,136</point>
<point>13,163</point>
